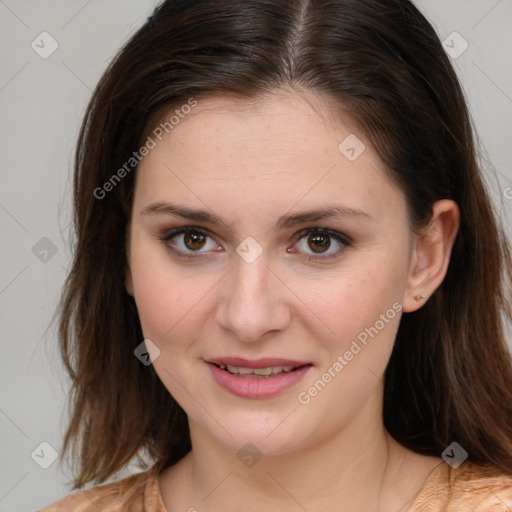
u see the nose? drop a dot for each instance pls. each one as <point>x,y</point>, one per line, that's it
<point>253,302</point>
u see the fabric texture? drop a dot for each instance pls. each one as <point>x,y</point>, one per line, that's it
<point>469,488</point>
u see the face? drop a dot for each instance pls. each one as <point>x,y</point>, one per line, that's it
<point>299,261</point>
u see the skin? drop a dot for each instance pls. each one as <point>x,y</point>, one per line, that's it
<point>250,163</point>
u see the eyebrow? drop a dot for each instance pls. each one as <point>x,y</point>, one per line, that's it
<point>285,221</point>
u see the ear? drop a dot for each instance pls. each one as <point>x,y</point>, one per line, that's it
<point>431,254</point>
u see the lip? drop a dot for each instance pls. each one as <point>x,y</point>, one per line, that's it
<point>256,363</point>
<point>256,387</point>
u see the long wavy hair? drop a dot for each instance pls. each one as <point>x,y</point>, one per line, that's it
<point>449,377</point>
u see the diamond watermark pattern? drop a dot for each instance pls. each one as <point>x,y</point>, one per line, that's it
<point>44,45</point>
<point>455,45</point>
<point>249,455</point>
<point>351,147</point>
<point>454,455</point>
<point>44,455</point>
<point>147,352</point>
<point>44,250</point>
<point>249,250</point>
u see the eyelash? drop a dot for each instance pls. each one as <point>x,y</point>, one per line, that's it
<point>342,239</point>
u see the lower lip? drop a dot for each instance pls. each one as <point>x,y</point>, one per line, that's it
<point>254,387</point>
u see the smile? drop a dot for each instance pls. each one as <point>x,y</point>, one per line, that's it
<point>268,372</point>
<point>256,379</point>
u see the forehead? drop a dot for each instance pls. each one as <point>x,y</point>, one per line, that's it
<point>278,149</point>
<point>280,117</point>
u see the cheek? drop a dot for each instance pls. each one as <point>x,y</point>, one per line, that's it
<point>359,314</point>
<point>363,316</point>
<point>166,298</point>
<point>169,306</point>
<point>350,301</point>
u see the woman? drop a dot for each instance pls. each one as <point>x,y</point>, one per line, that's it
<point>289,286</point>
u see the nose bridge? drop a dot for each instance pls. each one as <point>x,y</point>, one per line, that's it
<point>252,303</point>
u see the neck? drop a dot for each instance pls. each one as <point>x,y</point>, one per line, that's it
<point>359,468</point>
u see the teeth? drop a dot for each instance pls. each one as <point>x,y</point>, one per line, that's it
<point>262,372</point>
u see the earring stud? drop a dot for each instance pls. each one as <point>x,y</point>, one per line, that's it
<point>420,297</point>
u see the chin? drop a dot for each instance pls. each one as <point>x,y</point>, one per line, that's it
<point>248,433</point>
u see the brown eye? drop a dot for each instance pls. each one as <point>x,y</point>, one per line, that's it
<point>319,242</point>
<point>189,240</point>
<point>194,240</point>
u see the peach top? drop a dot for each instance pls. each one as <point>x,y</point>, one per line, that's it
<point>469,488</point>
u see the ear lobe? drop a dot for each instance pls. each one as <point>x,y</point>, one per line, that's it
<point>431,254</point>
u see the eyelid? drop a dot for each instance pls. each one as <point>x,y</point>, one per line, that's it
<point>344,240</point>
<point>171,233</point>
<point>341,238</point>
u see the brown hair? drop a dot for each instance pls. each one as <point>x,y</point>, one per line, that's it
<point>449,377</point>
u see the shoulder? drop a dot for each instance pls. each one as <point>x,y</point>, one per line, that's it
<point>132,494</point>
<point>472,486</point>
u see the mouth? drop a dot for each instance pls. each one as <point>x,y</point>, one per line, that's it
<point>267,372</point>
<point>266,368</point>
<point>262,378</point>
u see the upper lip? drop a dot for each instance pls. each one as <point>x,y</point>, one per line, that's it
<point>256,363</point>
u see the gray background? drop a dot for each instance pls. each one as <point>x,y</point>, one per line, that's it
<point>41,105</point>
